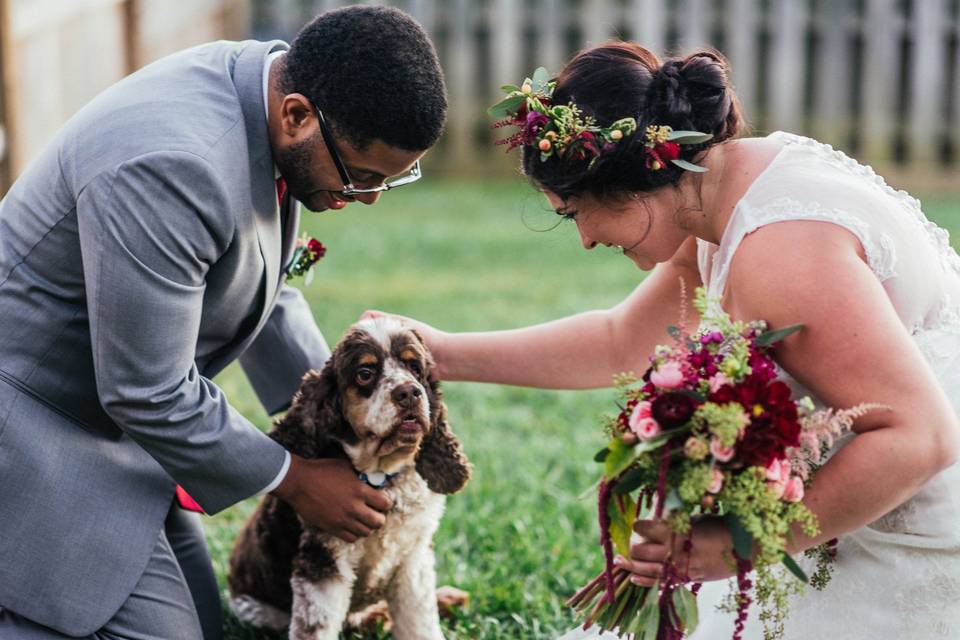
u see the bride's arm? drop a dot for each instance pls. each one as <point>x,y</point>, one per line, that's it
<point>580,351</point>
<point>852,349</point>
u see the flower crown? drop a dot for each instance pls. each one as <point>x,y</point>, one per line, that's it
<point>562,129</point>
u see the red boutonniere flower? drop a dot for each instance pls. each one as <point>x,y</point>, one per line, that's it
<point>306,254</point>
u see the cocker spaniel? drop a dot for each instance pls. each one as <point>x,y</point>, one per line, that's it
<point>376,404</point>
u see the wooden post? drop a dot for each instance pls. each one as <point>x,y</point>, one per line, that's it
<point>927,65</point>
<point>832,63</point>
<point>881,77</point>
<point>8,114</point>
<point>693,23</point>
<point>596,22</point>
<point>551,35</point>
<point>505,43</point>
<point>741,50</point>
<point>460,58</point>
<point>785,73</point>
<point>648,24</point>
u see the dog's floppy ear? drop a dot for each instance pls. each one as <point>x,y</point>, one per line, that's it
<point>441,461</point>
<point>315,417</point>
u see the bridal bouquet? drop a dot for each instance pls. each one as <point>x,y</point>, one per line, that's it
<point>709,431</point>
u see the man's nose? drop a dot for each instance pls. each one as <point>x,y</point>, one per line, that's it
<point>368,198</point>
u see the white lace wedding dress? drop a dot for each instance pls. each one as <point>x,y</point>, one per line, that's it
<point>897,577</point>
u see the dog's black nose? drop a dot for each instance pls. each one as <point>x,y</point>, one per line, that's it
<point>407,395</point>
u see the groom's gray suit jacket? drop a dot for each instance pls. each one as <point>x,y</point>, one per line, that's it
<point>140,253</point>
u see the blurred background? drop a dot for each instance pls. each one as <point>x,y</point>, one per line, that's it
<point>878,78</point>
<point>473,247</point>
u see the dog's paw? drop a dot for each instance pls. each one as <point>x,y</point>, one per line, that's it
<point>450,598</point>
<point>371,619</point>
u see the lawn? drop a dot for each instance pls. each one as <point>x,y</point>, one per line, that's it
<point>471,256</point>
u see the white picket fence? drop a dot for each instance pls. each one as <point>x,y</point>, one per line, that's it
<point>880,78</point>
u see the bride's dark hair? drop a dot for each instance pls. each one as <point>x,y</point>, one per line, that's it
<point>620,80</point>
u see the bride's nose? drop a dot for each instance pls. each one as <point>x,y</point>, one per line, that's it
<point>587,242</point>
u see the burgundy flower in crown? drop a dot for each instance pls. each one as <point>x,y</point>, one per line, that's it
<point>663,146</point>
<point>306,253</point>
<point>554,129</point>
<point>558,129</point>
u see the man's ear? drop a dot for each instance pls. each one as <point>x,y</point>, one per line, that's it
<point>298,117</point>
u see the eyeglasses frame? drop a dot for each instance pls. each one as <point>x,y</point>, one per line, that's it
<point>348,187</point>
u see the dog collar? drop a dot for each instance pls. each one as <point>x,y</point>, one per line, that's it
<point>377,479</point>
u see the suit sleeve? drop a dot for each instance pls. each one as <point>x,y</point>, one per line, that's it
<point>289,345</point>
<point>149,232</point>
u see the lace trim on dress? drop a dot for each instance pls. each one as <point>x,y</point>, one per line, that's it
<point>939,236</point>
<point>881,256</point>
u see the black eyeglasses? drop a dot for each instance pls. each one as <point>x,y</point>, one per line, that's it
<point>348,188</point>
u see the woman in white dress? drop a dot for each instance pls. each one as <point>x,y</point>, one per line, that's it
<point>788,230</point>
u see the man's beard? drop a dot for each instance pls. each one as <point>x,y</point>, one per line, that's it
<point>294,164</point>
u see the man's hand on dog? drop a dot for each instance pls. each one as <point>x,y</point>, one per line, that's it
<point>327,494</point>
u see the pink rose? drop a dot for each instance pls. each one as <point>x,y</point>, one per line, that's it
<point>775,471</point>
<point>718,381</point>
<point>776,488</point>
<point>641,411</point>
<point>646,428</point>
<point>793,492</point>
<point>668,375</point>
<point>716,481</point>
<point>720,452</point>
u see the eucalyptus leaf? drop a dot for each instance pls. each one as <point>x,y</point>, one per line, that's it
<point>672,500</point>
<point>795,569</point>
<point>506,107</point>
<point>689,137</point>
<point>601,455</point>
<point>652,626</point>
<point>742,539</point>
<point>689,166</point>
<point>685,603</point>
<point>540,79</point>
<point>768,338</point>
<point>509,88</point>
<point>630,481</point>
<point>619,458</point>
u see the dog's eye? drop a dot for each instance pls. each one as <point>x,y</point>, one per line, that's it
<point>415,367</point>
<point>365,375</point>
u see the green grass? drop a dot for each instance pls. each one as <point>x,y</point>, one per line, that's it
<point>466,256</point>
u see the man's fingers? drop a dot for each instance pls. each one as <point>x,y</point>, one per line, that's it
<point>377,499</point>
<point>369,518</point>
<point>345,535</point>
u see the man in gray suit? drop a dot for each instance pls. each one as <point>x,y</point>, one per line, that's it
<point>143,251</point>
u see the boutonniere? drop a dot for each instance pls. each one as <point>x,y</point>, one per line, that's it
<point>306,253</point>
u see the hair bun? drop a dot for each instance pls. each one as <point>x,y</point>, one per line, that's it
<point>695,93</point>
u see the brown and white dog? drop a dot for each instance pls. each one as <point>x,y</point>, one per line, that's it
<point>375,404</point>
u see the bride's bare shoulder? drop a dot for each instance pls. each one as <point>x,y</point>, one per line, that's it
<point>792,262</point>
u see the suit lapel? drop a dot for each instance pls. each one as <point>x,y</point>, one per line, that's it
<point>248,79</point>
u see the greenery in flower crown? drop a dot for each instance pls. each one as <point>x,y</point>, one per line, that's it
<point>561,129</point>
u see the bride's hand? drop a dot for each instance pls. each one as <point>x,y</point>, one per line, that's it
<point>710,557</point>
<point>431,336</point>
